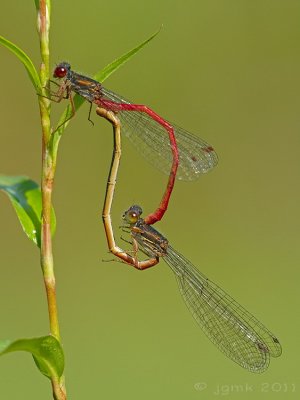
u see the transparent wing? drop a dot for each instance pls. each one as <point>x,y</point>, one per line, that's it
<point>196,157</point>
<point>228,325</point>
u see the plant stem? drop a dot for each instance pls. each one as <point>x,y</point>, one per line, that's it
<point>48,172</point>
<point>46,247</point>
<point>58,389</point>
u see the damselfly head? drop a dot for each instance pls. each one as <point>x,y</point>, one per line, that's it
<point>132,215</point>
<point>61,70</point>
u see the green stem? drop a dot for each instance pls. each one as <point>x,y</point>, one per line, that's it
<point>48,173</point>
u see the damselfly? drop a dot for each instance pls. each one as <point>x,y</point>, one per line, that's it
<point>166,146</point>
<point>235,331</point>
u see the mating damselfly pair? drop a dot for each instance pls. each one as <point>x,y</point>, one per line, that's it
<point>181,154</point>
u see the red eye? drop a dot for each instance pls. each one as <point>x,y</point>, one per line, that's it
<point>60,72</point>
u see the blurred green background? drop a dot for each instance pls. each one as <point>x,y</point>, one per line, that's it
<point>226,70</point>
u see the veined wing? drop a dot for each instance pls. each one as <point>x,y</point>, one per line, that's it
<point>196,157</point>
<point>228,325</point>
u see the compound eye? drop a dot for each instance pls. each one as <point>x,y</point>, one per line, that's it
<point>60,72</point>
<point>132,214</point>
<point>131,217</point>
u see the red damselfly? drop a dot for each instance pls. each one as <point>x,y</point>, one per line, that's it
<point>166,146</point>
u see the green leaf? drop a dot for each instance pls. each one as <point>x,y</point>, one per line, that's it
<point>101,76</point>
<point>26,198</point>
<point>23,57</point>
<point>46,351</point>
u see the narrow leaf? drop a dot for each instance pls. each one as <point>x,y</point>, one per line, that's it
<point>101,76</point>
<point>46,351</point>
<point>23,57</point>
<point>26,198</point>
